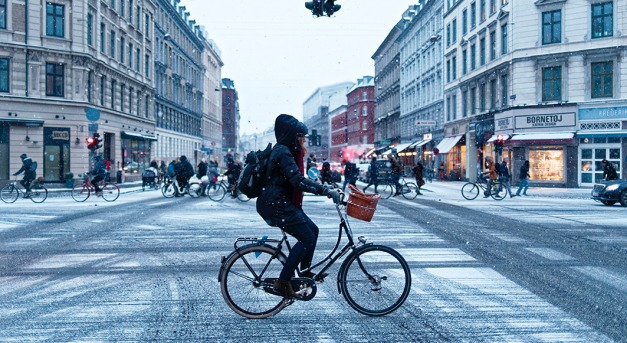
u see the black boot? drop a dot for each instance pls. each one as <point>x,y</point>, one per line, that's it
<point>285,289</point>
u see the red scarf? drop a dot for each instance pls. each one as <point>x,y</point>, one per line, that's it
<point>297,194</point>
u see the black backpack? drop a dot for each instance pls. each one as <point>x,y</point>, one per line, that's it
<point>256,173</point>
<point>33,166</point>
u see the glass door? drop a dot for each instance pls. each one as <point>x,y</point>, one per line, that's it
<point>590,157</point>
<point>56,154</point>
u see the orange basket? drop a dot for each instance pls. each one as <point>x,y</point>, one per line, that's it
<point>361,205</point>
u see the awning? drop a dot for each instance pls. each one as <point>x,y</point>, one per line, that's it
<point>24,122</point>
<point>544,136</point>
<point>494,137</point>
<point>448,143</point>
<point>401,147</point>
<point>387,152</point>
<point>139,136</point>
<point>418,144</point>
<point>599,134</point>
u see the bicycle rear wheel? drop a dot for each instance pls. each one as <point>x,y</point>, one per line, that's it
<point>242,197</point>
<point>385,190</point>
<point>38,193</point>
<point>168,190</point>
<point>242,281</point>
<point>410,191</point>
<point>375,280</point>
<point>470,191</point>
<point>9,193</point>
<point>499,192</point>
<point>216,192</point>
<point>80,193</point>
<point>110,192</point>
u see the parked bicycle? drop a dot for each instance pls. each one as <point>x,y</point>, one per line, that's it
<point>217,191</point>
<point>471,190</point>
<point>171,188</point>
<point>374,279</point>
<point>11,191</point>
<point>409,190</point>
<point>109,190</point>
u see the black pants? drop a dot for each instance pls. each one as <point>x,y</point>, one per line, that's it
<point>302,252</point>
<point>95,180</point>
<point>26,183</point>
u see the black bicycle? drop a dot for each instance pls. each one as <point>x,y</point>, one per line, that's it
<point>374,279</point>
<point>470,190</point>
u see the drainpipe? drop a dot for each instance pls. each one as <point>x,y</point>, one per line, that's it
<point>26,41</point>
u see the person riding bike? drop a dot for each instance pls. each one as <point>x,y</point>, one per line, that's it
<point>184,171</point>
<point>99,172</point>
<point>280,204</point>
<point>29,173</point>
<point>325,173</point>
<point>396,170</point>
<point>232,174</point>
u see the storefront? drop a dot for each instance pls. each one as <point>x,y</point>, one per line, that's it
<point>136,152</point>
<point>451,153</point>
<point>602,135</point>
<point>56,153</point>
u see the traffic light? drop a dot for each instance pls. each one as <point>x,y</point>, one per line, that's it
<point>330,7</point>
<point>93,142</point>
<point>322,7</point>
<point>498,143</point>
<point>313,137</point>
<point>98,140</point>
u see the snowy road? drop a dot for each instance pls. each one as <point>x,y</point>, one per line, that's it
<point>144,268</point>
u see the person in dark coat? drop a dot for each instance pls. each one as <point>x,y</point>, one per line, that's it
<point>524,178</point>
<point>280,204</point>
<point>99,172</point>
<point>395,173</point>
<point>202,168</point>
<point>609,171</point>
<point>418,173</point>
<point>184,171</point>
<point>350,174</point>
<point>373,174</point>
<point>28,170</point>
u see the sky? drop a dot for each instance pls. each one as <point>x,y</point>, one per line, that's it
<point>278,54</point>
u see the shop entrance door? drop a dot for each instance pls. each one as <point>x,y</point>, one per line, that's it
<point>56,153</point>
<point>591,168</point>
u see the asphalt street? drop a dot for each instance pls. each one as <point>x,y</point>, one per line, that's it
<point>550,267</point>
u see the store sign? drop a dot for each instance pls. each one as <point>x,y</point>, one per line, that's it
<point>545,120</point>
<point>427,136</point>
<point>603,113</point>
<point>502,124</point>
<point>61,135</point>
<point>425,123</point>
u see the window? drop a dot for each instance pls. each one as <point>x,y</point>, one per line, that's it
<point>448,71</point>
<point>465,104</point>
<point>364,96</point>
<point>473,15</point>
<point>493,95</point>
<point>552,27</point>
<point>103,33</point>
<point>122,6</point>
<point>122,96</point>
<point>464,62</point>
<point>454,106</point>
<point>90,29</point>
<point>90,80</point>
<point>137,60</point>
<point>482,51</point>
<point>147,65</point>
<point>112,44</point>
<point>602,79</point>
<point>551,83</point>
<point>364,125</point>
<point>602,20</point>
<point>130,55</point>
<point>4,75</point>
<point>147,103</point>
<point>113,84</point>
<point>482,97</point>
<point>122,43</point>
<point>448,35</point>
<point>139,98</point>
<point>492,45</point>
<point>448,109</point>
<point>138,14</point>
<point>54,79</point>
<point>454,28</point>
<point>3,14</point>
<point>130,11</point>
<point>473,57</point>
<point>473,100</point>
<point>55,20</point>
<point>464,22</point>
<point>147,25</point>
<point>102,90</point>
<point>504,91</point>
<point>504,39</point>
<point>482,10</point>
<point>364,111</point>
<point>492,6</point>
<point>112,4</point>
<point>454,67</point>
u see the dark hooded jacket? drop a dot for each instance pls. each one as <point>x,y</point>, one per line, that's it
<point>27,168</point>
<point>276,204</point>
<point>184,168</point>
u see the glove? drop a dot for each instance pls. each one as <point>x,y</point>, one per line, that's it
<point>332,193</point>
<point>15,174</point>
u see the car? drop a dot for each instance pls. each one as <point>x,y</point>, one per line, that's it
<point>611,192</point>
<point>363,171</point>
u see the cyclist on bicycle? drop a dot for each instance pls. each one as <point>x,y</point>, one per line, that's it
<point>99,172</point>
<point>29,173</point>
<point>280,204</point>
<point>184,171</point>
<point>492,174</point>
<point>396,170</point>
<point>232,173</point>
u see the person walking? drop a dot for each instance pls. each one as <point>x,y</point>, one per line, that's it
<point>162,170</point>
<point>29,169</point>
<point>202,168</point>
<point>418,174</point>
<point>395,171</point>
<point>350,174</point>
<point>524,178</point>
<point>506,177</point>
<point>280,204</point>
<point>373,174</point>
<point>491,172</point>
<point>609,171</point>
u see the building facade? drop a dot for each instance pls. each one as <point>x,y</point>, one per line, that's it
<point>179,72</point>
<point>360,119</point>
<point>71,68</point>
<point>230,119</point>
<point>565,109</point>
<point>212,100</point>
<point>339,133</point>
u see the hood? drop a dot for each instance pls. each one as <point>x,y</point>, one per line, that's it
<point>286,128</point>
<point>183,158</point>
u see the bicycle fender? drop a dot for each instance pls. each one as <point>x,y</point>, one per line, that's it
<point>345,263</point>
<point>223,259</point>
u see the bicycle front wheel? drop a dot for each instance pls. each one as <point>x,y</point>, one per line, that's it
<point>216,192</point>
<point>38,194</point>
<point>410,191</point>
<point>499,192</point>
<point>242,197</point>
<point>9,193</point>
<point>168,190</point>
<point>386,190</point>
<point>110,192</point>
<point>242,281</point>
<point>375,280</point>
<point>470,191</point>
<point>80,193</point>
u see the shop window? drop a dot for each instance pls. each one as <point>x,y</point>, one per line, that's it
<point>602,20</point>
<point>613,140</point>
<point>546,164</point>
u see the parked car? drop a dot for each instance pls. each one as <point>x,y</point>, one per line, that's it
<point>611,192</point>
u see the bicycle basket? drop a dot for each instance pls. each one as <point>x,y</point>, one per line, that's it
<point>361,205</point>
